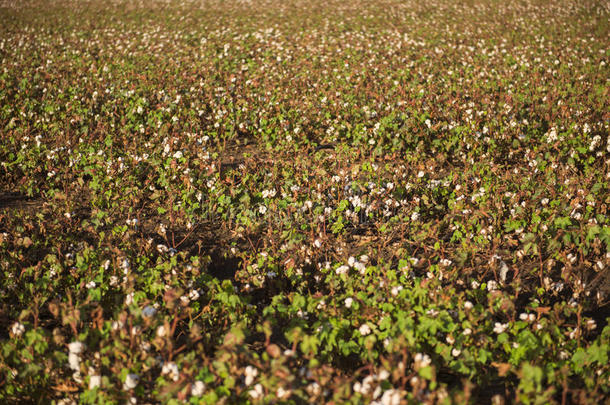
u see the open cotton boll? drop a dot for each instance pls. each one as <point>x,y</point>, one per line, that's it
<point>250,373</point>
<point>95,381</point>
<point>198,388</point>
<point>76,347</point>
<point>131,381</point>
<point>74,361</point>
<point>171,369</point>
<point>18,329</point>
<point>148,312</point>
<point>364,329</point>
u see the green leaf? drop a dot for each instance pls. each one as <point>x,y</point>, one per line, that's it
<point>426,373</point>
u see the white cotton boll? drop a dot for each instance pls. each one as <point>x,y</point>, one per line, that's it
<point>348,302</point>
<point>131,381</point>
<point>171,369</point>
<point>574,333</point>
<point>194,295</point>
<point>391,397</point>
<point>74,361</point>
<point>95,381</point>
<point>422,360</point>
<point>499,328</point>
<point>76,347</point>
<point>364,329</point>
<point>17,329</point>
<point>314,389</point>
<point>198,388</point>
<point>77,377</point>
<point>342,270</point>
<point>148,311</point>
<point>161,331</point>
<point>256,392</point>
<point>503,271</point>
<point>396,290</point>
<point>125,266</point>
<point>366,384</point>
<point>282,393</point>
<point>446,262</point>
<point>360,267</point>
<point>251,374</point>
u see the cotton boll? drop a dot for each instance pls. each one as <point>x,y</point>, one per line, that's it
<point>171,369</point>
<point>503,271</point>
<point>17,329</point>
<point>131,381</point>
<point>74,361</point>
<point>391,397</point>
<point>342,270</point>
<point>251,374</point>
<point>148,312</point>
<point>198,388</point>
<point>94,381</point>
<point>76,347</point>
<point>364,329</point>
<point>256,392</point>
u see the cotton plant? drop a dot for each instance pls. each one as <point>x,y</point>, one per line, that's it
<point>206,208</point>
